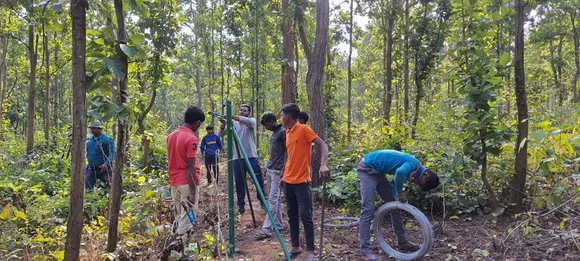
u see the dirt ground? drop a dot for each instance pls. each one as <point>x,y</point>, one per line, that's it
<point>475,237</point>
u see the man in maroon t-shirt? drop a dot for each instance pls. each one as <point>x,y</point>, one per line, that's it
<point>184,173</point>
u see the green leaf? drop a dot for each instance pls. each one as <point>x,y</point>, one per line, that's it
<point>115,67</point>
<point>59,255</point>
<point>138,39</point>
<point>130,51</point>
<point>20,214</point>
<point>505,59</point>
<point>538,136</point>
<point>6,211</point>
<point>100,41</point>
<point>111,110</point>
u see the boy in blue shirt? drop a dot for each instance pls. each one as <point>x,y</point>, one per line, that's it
<point>372,171</point>
<point>211,145</point>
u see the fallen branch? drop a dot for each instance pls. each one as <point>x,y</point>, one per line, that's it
<point>542,215</point>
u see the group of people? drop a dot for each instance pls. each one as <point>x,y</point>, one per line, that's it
<point>289,164</point>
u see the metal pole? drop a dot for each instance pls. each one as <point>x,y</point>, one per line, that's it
<point>322,217</point>
<point>231,179</point>
<point>262,198</point>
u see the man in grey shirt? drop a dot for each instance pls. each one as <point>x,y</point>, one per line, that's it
<point>274,170</point>
<point>244,126</point>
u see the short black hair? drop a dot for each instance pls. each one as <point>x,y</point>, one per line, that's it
<point>432,181</point>
<point>268,117</point>
<point>209,128</point>
<point>304,115</point>
<point>247,106</point>
<point>193,114</point>
<point>292,110</point>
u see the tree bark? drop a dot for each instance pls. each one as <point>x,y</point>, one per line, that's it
<point>388,62</point>
<point>406,61</point>
<point>46,102</point>
<point>288,73</point>
<point>419,96</point>
<point>518,182</point>
<point>56,93</point>
<point>117,181</point>
<point>576,39</point>
<point>314,82</point>
<point>349,76</point>
<point>3,79</point>
<point>77,185</point>
<point>32,58</point>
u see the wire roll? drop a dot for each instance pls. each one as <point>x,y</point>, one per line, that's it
<point>426,228</point>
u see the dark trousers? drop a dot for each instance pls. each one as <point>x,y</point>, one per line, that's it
<point>94,173</point>
<point>239,176</point>
<point>211,164</point>
<point>299,207</point>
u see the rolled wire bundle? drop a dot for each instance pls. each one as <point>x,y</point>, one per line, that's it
<point>423,221</point>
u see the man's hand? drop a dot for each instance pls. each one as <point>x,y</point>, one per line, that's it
<point>402,197</point>
<point>324,170</point>
<point>104,167</point>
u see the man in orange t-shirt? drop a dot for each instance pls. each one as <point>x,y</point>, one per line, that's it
<point>299,139</point>
<point>184,173</point>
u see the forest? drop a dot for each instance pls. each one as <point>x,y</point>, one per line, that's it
<point>483,92</point>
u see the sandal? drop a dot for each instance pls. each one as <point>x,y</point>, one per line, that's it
<point>261,236</point>
<point>294,254</point>
<point>371,258</point>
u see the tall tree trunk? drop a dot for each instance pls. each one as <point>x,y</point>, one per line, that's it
<point>197,73</point>
<point>288,73</point>
<point>349,99</point>
<point>32,57</point>
<point>419,96</point>
<point>56,94</point>
<point>576,40</point>
<point>388,62</point>
<point>314,81</point>
<point>518,182</point>
<point>117,181</point>
<point>406,61</point>
<point>223,99</point>
<point>559,72</point>
<point>3,79</point>
<point>46,102</point>
<point>77,184</point>
<point>240,72</point>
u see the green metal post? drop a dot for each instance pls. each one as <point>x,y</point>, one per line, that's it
<point>231,214</point>
<point>261,193</point>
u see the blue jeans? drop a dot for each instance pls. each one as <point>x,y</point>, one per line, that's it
<point>94,173</point>
<point>239,175</point>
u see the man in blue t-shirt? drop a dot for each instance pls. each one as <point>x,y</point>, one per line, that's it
<point>100,154</point>
<point>372,171</point>
<point>211,145</point>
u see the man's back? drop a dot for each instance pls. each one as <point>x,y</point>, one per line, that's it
<point>181,144</point>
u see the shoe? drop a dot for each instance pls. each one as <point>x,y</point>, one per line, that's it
<point>241,211</point>
<point>409,247</point>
